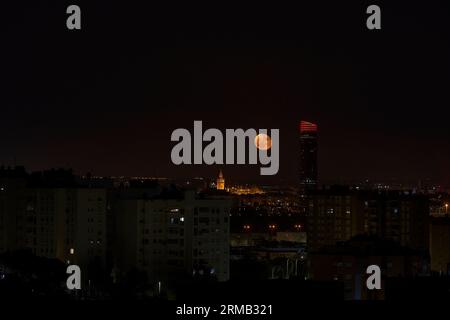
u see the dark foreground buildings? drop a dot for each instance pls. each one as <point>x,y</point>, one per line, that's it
<point>349,229</point>
<point>172,236</point>
<point>339,213</point>
<point>117,232</point>
<point>347,263</point>
<point>440,245</point>
<point>153,240</point>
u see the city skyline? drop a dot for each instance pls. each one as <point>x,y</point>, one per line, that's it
<point>379,98</point>
<point>170,234</point>
<point>224,159</point>
<point>236,181</point>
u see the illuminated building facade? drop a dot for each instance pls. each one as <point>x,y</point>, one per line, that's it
<point>220,183</point>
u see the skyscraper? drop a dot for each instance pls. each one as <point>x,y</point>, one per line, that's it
<point>308,155</point>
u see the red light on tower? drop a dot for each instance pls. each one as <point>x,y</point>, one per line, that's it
<point>306,126</point>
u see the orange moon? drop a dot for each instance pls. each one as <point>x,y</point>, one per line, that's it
<point>263,141</point>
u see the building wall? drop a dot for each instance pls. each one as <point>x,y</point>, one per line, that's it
<point>440,245</point>
<point>12,193</point>
<point>165,237</point>
<point>125,250</point>
<point>11,204</point>
<point>333,218</point>
<point>336,216</point>
<point>403,219</point>
<point>89,237</point>
<point>38,223</point>
<point>68,224</point>
<point>351,271</point>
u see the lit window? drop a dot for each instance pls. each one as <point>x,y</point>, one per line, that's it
<point>72,250</point>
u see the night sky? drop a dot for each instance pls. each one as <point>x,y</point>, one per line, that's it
<point>106,99</point>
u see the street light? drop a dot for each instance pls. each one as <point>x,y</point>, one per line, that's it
<point>446,208</point>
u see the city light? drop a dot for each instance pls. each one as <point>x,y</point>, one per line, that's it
<point>193,156</point>
<point>306,126</point>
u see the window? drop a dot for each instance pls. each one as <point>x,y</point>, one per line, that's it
<point>204,220</point>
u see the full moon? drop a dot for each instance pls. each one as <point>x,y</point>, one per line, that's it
<point>263,141</point>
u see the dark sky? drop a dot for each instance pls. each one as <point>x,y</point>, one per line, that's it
<point>106,99</point>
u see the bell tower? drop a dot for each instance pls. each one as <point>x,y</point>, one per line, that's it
<point>220,182</point>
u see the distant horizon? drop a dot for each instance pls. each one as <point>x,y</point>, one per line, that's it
<point>233,181</point>
<point>379,97</point>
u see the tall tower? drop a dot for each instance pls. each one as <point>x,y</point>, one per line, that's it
<point>308,156</point>
<point>220,182</point>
